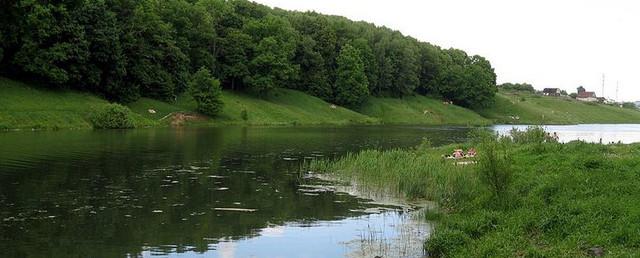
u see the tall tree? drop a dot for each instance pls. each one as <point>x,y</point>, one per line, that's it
<point>235,49</point>
<point>53,46</point>
<point>313,77</point>
<point>351,86</point>
<point>206,91</point>
<point>157,65</point>
<point>368,59</point>
<point>271,65</point>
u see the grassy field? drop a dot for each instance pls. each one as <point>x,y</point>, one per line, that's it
<point>25,107</point>
<point>420,110</point>
<point>283,107</point>
<point>558,200</point>
<point>533,109</point>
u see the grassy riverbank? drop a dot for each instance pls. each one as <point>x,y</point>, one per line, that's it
<point>420,110</point>
<point>529,108</point>
<point>540,200</point>
<point>24,106</point>
<point>282,107</point>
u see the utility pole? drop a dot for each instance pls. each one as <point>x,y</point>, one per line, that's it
<point>602,85</point>
<point>617,87</point>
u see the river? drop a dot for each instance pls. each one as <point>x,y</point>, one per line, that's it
<point>214,192</point>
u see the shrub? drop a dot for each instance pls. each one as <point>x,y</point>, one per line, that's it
<point>480,135</point>
<point>494,168</point>
<point>517,87</point>
<point>206,91</point>
<point>244,115</point>
<point>533,134</point>
<point>476,224</point>
<point>112,116</point>
<point>424,146</point>
<point>444,240</point>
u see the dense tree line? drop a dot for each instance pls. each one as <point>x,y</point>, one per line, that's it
<point>517,87</point>
<point>125,49</point>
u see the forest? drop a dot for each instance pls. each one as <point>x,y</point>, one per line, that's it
<point>127,49</point>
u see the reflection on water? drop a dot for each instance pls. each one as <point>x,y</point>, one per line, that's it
<point>219,191</point>
<point>386,234</point>
<point>604,133</point>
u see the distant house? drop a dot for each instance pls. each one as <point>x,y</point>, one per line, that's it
<point>551,92</point>
<point>584,95</point>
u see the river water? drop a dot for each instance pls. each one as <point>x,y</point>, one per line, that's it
<point>214,192</point>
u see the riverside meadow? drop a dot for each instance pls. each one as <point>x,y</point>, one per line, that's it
<point>527,196</point>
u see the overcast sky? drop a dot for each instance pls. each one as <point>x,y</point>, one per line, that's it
<point>560,44</point>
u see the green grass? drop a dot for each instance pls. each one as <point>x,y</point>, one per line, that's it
<point>25,107</point>
<point>533,109</point>
<point>420,110</point>
<point>282,107</point>
<point>561,199</point>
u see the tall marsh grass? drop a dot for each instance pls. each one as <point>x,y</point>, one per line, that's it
<point>416,175</point>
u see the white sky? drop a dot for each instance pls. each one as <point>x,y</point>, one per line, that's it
<point>560,44</point>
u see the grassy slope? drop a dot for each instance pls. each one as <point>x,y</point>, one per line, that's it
<point>284,107</point>
<point>411,110</point>
<point>563,199</point>
<point>24,107</point>
<point>554,110</point>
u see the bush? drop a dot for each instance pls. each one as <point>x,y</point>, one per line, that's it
<point>424,146</point>
<point>442,241</point>
<point>494,168</point>
<point>517,87</point>
<point>533,134</point>
<point>112,116</point>
<point>206,91</point>
<point>244,115</point>
<point>480,135</point>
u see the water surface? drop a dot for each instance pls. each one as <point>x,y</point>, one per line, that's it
<point>595,133</point>
<point>215,192</point>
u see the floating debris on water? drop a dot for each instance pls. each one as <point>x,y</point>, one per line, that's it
<point>245,171</point>
<point>235,209</point>
<point>316,188</point>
